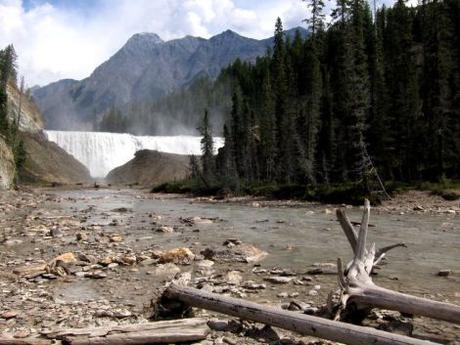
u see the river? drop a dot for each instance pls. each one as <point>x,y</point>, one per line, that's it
<point>295,238</point>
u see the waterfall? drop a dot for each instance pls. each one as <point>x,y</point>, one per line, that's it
<point>101,152</point>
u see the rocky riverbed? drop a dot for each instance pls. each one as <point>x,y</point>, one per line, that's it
<point>77,258</point>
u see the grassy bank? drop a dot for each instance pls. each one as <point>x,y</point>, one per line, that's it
<point>348,193</point>
<point>344,193</point>
<point>447,189</point>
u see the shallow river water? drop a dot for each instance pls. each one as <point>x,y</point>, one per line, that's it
<point>296,238</point>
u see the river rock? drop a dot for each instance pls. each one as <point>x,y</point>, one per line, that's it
<point>243,252</point>
<point>65,258</point>
<point>168,269</point>
<point>181,256</point>
<point>81,236</point>
<point>231,242</point>
<point>225,326</point>
<point>205,263</point>
<point>116,238</point>
<point>55,232</point>
<point>9,314</point>
<point>199,220</point>
<point>278,279</point>
<point>233,278</point>
<point>165,229</point>
<point>250,285</point>
<point>12,242</point>
<point>444,273</point>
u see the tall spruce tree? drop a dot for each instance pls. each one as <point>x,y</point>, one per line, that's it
<point>207,149</point>
<point>403,89</point>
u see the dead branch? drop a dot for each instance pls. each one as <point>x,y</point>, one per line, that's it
<point>358,287</point>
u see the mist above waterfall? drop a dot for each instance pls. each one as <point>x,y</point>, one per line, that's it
<point>101,152</point>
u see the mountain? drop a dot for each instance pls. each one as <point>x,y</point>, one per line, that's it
<point>145,68</point>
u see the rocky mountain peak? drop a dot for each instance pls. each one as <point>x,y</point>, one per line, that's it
<point>143,39</point>
<point>146,68</point>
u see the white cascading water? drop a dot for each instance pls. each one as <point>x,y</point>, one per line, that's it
<point>101,152</point>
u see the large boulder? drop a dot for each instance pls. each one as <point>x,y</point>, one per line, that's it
<point>47,163</point>
<point>150,168</point>
<point>7,166</point>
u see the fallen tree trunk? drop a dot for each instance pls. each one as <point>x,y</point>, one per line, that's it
<point>359,289</point>
<point>160,332</point>
<point>300,323</point>
<point>25,341</point>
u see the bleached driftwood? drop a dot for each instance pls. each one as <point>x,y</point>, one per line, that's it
<point>160,332</point>
<point>25,341</point>
<point>300,323</point>
<point>359,289</point>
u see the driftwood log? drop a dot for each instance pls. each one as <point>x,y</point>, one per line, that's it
<point>26,341</point>
<point>160,332</point>
<point>300,323</point>
<point>359,290</point>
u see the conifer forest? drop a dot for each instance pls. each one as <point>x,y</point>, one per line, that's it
<point>366,93</point>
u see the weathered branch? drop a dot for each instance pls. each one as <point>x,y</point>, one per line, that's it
<point>348,229</point>
<point>300,323</point>
<point>358,287</point>
<point>382,251</point>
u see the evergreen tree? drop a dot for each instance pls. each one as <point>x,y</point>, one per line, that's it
<point>316,21</point>
<point>207,149</point>
<point>403,87</point>
<point>194,167</point>
<point>268,130</point>
<point>312,110</point>
<point>7,74</point>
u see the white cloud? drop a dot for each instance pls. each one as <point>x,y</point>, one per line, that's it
<point>55,42</point>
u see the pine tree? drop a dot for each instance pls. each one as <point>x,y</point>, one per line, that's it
<point>358,113</point>
<point>7,73</point>
<point>268,130</point>
<point>280,87</point>
<point>314,90</point>
<point>194,167</point>
<point>207,149</point>
<point>316,21</point>
<point>377,133</point>
<point>403,89</point>
<point>439,90</point>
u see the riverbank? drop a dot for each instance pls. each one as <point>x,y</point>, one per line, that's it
<point>120,248</point>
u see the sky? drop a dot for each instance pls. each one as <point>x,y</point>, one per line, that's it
<point>57,39</point>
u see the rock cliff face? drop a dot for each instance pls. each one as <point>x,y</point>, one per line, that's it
<point>30,117</point>
<point>47,163</point>
<point>7,167</point>
<point>145,68</point>
<point>149,168</point>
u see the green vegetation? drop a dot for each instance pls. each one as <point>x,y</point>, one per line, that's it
<point>113,121</point>
<point>178,111</point>
<point>10,129</point>
<point>317,117</point>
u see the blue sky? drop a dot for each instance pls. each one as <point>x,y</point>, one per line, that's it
<point>58,39</point>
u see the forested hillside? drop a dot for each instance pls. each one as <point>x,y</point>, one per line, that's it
<point>9,129</point>
<point>319,111</point>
